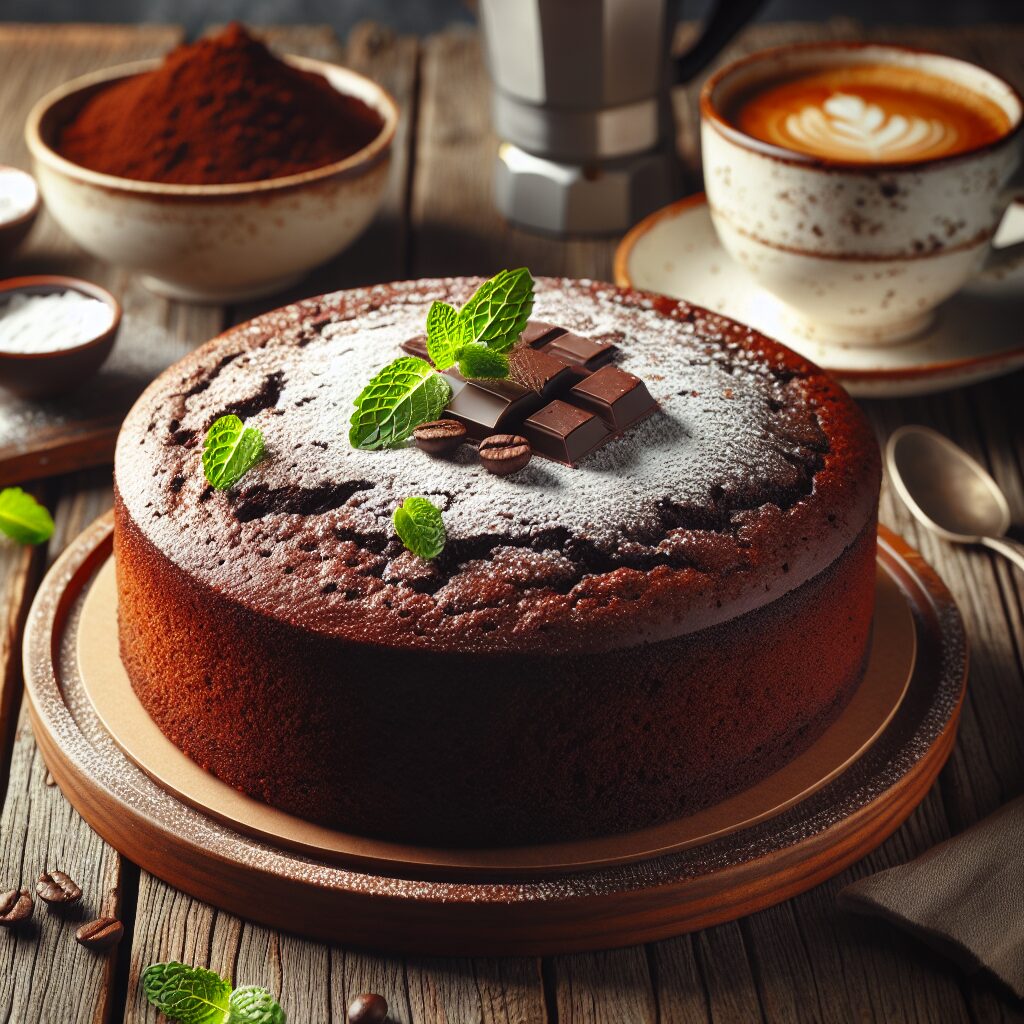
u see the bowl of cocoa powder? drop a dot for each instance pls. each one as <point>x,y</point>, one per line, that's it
<point>222,172</point>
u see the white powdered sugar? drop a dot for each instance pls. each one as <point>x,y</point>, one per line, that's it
<point>310,525</point>
<point>32,323</point>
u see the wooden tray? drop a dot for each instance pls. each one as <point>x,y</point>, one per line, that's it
<point>414,900</point>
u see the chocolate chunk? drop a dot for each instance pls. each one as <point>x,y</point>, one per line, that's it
<point>539,332</point>
<point>439,437</point>
<point>564,432</point>
<point>15,907</point>
<point>57,887</point>
<point>102,933</point>
<point>618,397</point>
<point>488,407</point>
<point>417,346</point>
<point>540,372</point>
<point>502,454</point>
<point>580,352</point>
<point>368,1008</point>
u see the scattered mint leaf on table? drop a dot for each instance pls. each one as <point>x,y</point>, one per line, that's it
<point>498,311</point>
<point>188,995</point>
<point>445,335</point>
<point>420,528</point>
<point>253,1005</point>
<point>230,451</point>
<point>194,995</point>
<point>22,518</point>
<point>479,361</point>
<point>403,395</point>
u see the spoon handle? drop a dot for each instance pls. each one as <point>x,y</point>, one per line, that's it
<point>1012,549</point>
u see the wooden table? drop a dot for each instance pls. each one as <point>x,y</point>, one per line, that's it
<point>799,961</point>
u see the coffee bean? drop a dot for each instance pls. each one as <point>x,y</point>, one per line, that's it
<point>368,1008</point>
<point>102,933</point>
<point>57,887</point>
<point>439,437</point>
<point>15,906</point>
<point>504,453</point>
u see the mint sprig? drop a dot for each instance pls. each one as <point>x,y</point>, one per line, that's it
<point>420,527</point>
<point>407,392</point>
<point>498,311</point>
<point>194,995</point>
<point>188,995</point>
<point>22,518</point>
<point>445,335</point>
<point>479,361</point>
<point>403,395</point>
<point>253,1005</point>
<point>231,449</point>
<point>492,320</point>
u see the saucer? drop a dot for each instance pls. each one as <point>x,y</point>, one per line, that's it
<point>974,336</point>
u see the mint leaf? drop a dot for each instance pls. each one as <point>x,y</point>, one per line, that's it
<point>22,518</point>
<point>445,334</point>
<point>188,995</point>
<point>251,1004</point>
<point>230,451</point>
<point>480,361</point>
<point>419,526</point>
<point>403,395</point>
<point>497,313</point>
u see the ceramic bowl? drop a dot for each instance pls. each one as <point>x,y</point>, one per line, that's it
<point>20,187</point>
<point>40,374</point>
<point>213,243</point>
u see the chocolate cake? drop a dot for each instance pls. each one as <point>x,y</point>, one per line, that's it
<point>598,648</point>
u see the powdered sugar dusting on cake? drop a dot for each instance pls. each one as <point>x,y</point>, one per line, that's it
<point>736,430</point>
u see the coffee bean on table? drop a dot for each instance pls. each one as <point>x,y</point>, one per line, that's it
<point>15,906</point>
<point>102,933</point>
<point>439,437</point>
<point>504,453</point>
<point>57,887</point>
<point>368,1008</point>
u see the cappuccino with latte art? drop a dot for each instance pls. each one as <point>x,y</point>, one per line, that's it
<point>869,113</point>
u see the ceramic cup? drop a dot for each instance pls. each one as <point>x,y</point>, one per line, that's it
<point>858,252</point>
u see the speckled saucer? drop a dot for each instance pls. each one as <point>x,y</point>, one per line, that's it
<point>975,335</point>
<point>419,902</point>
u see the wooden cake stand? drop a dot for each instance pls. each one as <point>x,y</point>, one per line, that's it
<point>829,807</point>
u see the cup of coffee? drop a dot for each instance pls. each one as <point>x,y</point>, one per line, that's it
<point>861,184</point>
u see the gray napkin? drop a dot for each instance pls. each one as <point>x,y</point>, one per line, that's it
<point>964,897</point>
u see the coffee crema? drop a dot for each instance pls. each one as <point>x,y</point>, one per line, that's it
<point>869,113</point>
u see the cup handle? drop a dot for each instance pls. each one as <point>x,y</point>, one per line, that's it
<point>1007,257</point>
<point>727,18</point>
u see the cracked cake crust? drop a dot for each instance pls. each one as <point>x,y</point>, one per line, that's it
<point>755,474</point>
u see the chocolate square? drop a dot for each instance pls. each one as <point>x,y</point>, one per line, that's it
<point>417,346</point>
<point>618,397</point>
<point>539,332</point>
<point>540,372</point>
<point>486,407</point>
<point>580,352</point>
<point>563,432</point>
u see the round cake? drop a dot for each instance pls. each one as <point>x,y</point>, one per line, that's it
<point>599,647</point>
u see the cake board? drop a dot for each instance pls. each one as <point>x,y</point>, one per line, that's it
<point>567,897</point>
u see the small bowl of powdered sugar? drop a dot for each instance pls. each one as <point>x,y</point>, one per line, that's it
<point>19,206</point>
<point>55,333</point>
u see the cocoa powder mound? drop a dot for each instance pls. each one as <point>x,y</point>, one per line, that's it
<point>218,111</point>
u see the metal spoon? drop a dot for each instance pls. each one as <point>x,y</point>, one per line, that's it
<point>949,492</point>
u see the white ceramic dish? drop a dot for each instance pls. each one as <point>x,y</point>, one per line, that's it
<point>213,243</point>
<point>976,335</point>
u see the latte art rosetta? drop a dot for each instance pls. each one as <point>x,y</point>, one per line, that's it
<point>867,113</point>
<point>848,122</point>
